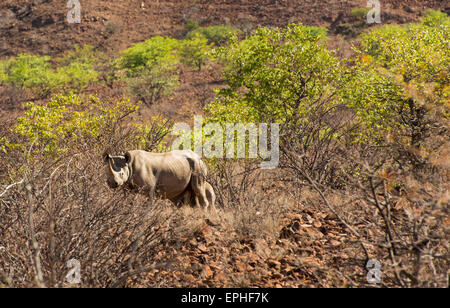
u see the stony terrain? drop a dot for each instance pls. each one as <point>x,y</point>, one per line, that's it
<point>40,25</point>
<point>305,246</point>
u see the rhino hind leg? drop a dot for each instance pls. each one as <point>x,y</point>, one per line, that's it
<point>188,197</point>
<point>197,182</point>
<point>198,188</point>
<point>210,195</point>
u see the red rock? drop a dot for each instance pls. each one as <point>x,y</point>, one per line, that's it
<point>240,266</point>
<point>317,224</point>
<point>220,276</point>
<point>335,243</point>
<point>207,272</point>
<point>202,248</point>
<point>274,263</point>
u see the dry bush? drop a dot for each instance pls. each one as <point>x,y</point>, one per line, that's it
<point>62,211</point>
<point>247,198</point>
<point>54,209</point>
<point>392,199</point>
<point>12,96</point>
<point>406,216</point>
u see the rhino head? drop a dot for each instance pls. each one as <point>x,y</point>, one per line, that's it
<point>117,169</point>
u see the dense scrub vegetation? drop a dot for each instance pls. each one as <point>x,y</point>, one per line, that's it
<point>367,137</point>
<point>37,72</point>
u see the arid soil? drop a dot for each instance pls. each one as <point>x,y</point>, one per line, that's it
<point>40,26</point>
<point>305,246</point>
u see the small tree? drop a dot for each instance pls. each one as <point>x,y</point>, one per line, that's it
<point>156,51</point>
<point>217,35</point>
<point>276,75</point>
<point>30,71</point>
<point>74,72</point>
<point>195,51</point>
<point>151,68</point>
<point>284,76</point>
<point>52,128</point>
<point>152,84</point>
<point>401,79</point>
<point>190,25</point>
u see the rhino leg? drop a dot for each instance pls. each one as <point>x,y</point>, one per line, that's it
<point>197,183</point>
<point>200,194</point>
<point>210,195</point>
<point>188,197</point>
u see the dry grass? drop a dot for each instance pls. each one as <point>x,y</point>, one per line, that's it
<point>305,224</point>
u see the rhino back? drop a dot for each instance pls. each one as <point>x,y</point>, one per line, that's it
<point>169,172</point>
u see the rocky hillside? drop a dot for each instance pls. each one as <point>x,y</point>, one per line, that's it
<point>269,230</point>
<point>40,26</point>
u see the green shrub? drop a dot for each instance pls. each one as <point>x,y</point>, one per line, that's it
<point>402,79</point>
<point>75,71</point>
<point>3,74</point>
<point>373,96</point>
<point>416,52</point>
<point>64,122</point>
<point>359,12</point>
<point>152,84</point>
<point>151,68</point>
<point>274,75</point>
<point>217,35</point>
<point>286,76</point>
<point>30,71</point>
<point>435,18</point>
<point>195,51</point>
<point>85,54</point>
<point>157,51</point>
<point>76,76</point>
<point>190,25</point>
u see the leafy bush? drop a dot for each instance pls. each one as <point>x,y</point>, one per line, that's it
<point>356,25</point>
<point>403,78</point>
<point>158,51</point>
<point>275,75</point>
<point>151,68</point>
<point>150,85</point>
<point>359,12</point>
<point>285,76</point>
<point>82,65</point>
<point>76,76</point>
<point>75,72</point>
<point>195,51</point>
<point>3,74</point>
<point>29,71</point>
<point>416,52</point>
<point>190,25</point>
<point>85,54</point>
<point>372,95</point>
<point>434,18</point>
<point>217,35</point>
<point>54,127</point>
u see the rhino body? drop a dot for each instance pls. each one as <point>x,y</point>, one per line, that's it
<point>175,175</point>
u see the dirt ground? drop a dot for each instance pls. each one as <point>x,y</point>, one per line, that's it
<point>219,249</point>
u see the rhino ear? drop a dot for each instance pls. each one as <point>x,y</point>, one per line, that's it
<point>106,157</point>
<point>127,157</point>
